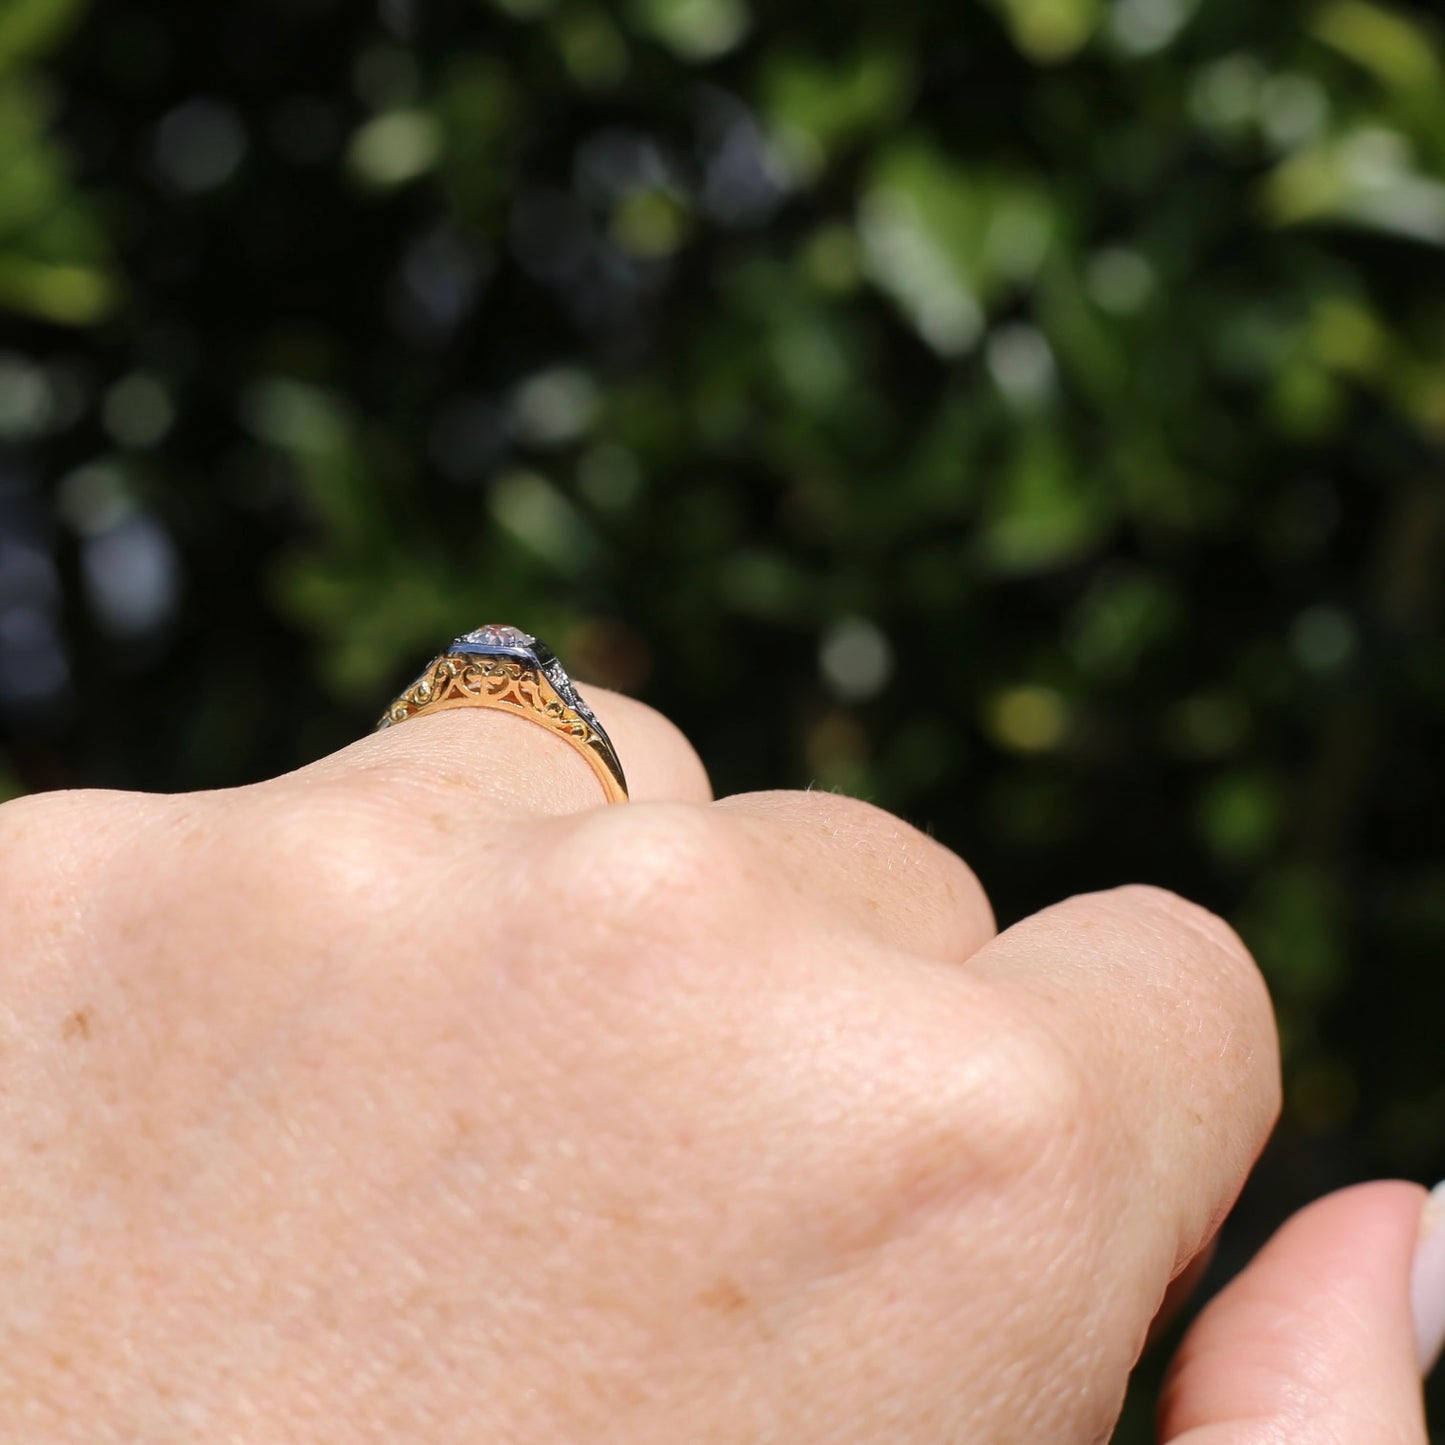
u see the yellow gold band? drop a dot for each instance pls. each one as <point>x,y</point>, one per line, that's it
<point>510,684</point>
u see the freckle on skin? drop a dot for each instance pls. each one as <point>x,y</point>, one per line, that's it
<point>725,1296</point>
<point>77,1026</point>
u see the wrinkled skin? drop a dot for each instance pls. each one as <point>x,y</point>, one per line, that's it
<point>413,1096</point>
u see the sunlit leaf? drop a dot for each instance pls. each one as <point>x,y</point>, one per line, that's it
<point>1049,31</point>
<point>1365,179</point>
<point>1400,50</point>
<point>395,147</point>
<point>697,30</point>
<point>817,106</point>
<point>944,241</point>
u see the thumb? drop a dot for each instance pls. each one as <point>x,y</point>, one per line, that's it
<point>1314,1342</point>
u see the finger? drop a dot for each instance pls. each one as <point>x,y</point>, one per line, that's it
<point>852,863</point>
<point>1313,1342</point>
<point>1164,1036</point>
<point>1181,1287</point>
<point>520,766</point>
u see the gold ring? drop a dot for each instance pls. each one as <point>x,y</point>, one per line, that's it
<point>508,669</point>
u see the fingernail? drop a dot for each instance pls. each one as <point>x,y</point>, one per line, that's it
<point>1427,1281</point>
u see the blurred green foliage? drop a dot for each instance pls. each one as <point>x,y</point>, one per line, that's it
<point>1028,414</point>
<point>52,253</point>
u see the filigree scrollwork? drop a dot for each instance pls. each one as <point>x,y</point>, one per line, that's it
<point>506,683</point>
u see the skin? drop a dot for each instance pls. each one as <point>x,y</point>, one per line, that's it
<point>414,1096</point>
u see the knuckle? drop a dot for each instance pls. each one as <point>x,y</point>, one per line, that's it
<point>645,870</point>
<point>66,857</point>
<point>1217,958</point>
<point>917,867</point>
<point>318,855</point>
<point>872,831</point>
<point>52,832</point>
<point>839,815</point>
<point>1149,897</point>
<point>1231,1014</point>
<point>22,823</point>
<point>1035,1102</point>
<point>21,816</point>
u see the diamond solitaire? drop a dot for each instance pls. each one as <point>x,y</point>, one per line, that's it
<point>504,668</point>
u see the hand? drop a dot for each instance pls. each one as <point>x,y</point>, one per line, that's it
<point>413,1097</point>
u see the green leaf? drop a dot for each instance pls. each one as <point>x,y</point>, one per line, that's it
<point>1050,31</point>
<point>1292,924</point>
<point>816,108</point>
<point>1368,179</point>
<point>1041,513</point>
<point>53,255</point>
<point>32,28</point>
<point>1402,53</point>
<point>1239,814</point>
<point>56,291</point>
<point>694,30</point>
<point>1125,614</point>
<point>944,241</point>
<point>481,110</point>
<point>394,148</point>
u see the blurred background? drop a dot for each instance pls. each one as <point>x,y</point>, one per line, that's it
<point>1027,414</point>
